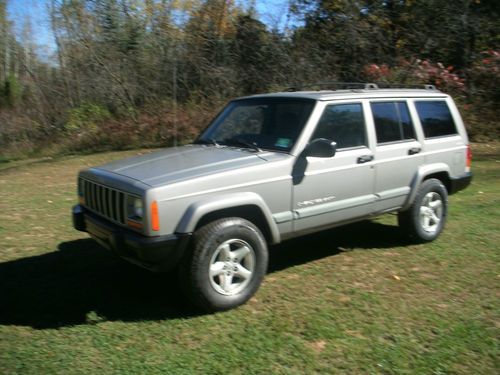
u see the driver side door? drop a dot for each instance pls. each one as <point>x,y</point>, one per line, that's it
<point>340,188</point>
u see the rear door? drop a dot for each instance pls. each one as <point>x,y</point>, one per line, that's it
<point>398,152</point>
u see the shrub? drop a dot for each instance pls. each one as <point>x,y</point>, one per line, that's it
<point>476,92</point>
<point>86,118</point>
<point>418,71</point>
<point>11,92</point>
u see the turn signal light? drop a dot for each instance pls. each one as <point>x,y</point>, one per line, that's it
<point>155,220</point>
<point>134,224</point>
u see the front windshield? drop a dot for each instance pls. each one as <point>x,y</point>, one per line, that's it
<point>260,123</point>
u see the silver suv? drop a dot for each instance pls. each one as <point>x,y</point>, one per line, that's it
<point>273,167</point>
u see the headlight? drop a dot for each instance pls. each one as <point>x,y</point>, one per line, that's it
<point>134,208</point>
<point>138,207</point>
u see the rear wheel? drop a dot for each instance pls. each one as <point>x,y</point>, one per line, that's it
<point>426,217</point>
<point>227,263</point>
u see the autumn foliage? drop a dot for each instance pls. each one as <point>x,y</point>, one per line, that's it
<point>135,73</point>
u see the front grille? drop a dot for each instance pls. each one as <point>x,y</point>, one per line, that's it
<point>106,201</point>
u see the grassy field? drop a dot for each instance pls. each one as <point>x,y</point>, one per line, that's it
<point>354,300</point>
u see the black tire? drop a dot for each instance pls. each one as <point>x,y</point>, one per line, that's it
<point>420,221</point>
<point>215,248</point>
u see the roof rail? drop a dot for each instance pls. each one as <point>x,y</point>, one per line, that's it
<point>358,85</point>
<point>335,84</point>
<point>406,86</point>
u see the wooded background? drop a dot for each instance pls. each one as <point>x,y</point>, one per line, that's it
<point>141,73</point>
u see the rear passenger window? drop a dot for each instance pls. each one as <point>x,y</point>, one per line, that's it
<point>436,118</point>
<point>344,124</point>
<point>392,121</point>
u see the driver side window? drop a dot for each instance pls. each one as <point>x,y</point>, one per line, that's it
<point>343,124</point>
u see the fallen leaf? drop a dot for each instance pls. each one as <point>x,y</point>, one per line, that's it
<point>318,346</point>
<point>344,298</point>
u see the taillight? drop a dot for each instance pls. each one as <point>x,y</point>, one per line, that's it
<point>155,220</point>
<point>468,160</point>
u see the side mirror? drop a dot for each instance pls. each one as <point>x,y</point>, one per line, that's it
<point>321,148</point>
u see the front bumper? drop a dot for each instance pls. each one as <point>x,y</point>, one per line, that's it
<point>159,253</point>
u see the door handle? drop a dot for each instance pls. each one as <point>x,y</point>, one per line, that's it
<point>365,159</point>
<point>414,150</point>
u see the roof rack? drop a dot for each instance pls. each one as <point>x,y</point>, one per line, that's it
<point>406,86</point>
<point>337,85</point>
<point>358,86</point>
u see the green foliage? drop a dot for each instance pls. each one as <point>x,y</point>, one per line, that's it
<point>480,108</point>
<point>11,92</point>
<point>125,56</point>
<point>258,55</point>
<point>484,77</point>
<point>86,118</point>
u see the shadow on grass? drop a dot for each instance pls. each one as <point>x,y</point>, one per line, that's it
<point>362,235</point>
<point>84,284</point>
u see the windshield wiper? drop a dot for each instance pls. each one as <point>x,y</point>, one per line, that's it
<point>209,141</point>
<point>242,142</point>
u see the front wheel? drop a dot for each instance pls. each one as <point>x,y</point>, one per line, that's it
<point>227,263</point>
<point>426,217</point>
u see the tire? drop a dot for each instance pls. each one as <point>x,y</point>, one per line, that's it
<point>425,219</point>
<point>226,264</point>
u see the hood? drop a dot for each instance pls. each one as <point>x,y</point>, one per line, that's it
<point>182,163</point>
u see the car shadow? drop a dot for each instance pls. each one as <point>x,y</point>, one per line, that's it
<point>82,283</point>
<point>362,235</point>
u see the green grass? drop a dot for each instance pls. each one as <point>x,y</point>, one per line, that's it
<point>355,300</point>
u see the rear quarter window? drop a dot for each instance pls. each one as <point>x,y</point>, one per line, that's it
<point>436,118</point>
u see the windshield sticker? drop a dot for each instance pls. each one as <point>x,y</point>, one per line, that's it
<point>283,142</point>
